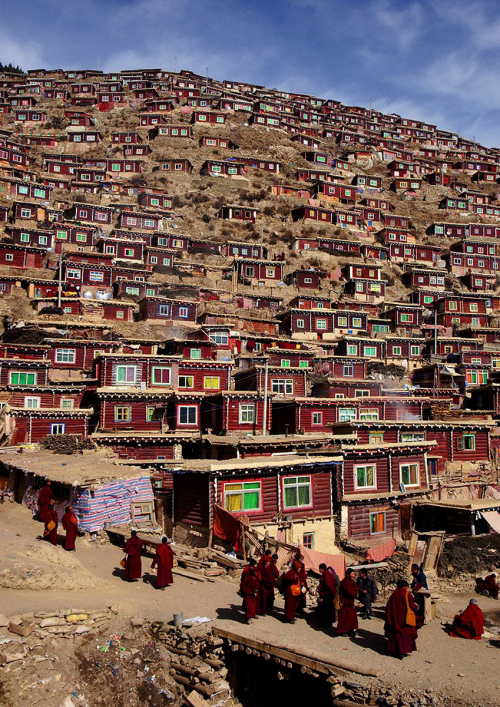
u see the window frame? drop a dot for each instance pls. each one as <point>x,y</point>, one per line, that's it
<point>364,487</point>
<point>296,486</point>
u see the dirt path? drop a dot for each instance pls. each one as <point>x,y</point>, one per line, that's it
<point>463,669</point>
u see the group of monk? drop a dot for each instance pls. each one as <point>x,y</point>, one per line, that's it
<point>47,514</point>
<point>404,612</point>
<point>163,561</point>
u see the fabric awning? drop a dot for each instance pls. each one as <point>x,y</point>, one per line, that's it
<point>493,518</point>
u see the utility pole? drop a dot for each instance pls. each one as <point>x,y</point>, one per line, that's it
<point>266,375</point>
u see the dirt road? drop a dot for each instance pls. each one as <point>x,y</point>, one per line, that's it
<point>462,669</point>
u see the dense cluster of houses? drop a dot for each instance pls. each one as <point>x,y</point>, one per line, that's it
<point>322,412</point>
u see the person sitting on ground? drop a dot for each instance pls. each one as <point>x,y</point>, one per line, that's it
<point>328,588</point>
<point>469,623</point>
<point>490,585</point>
<point>249,589</point>
<point>367,592</point>
<point>419,580</point>
<point>348,618</point>
<point>400,621</point>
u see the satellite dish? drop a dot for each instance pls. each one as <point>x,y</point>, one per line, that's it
<point>441,264</point>
<point>88,294</point>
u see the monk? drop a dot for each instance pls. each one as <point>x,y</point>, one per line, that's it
<point>293,589</point>
<point>400,621</point>
<point>269,576</point>
<point>249,588</point>
<point>164,560</point>
<point>328,588</point>
<point>70,524</point>
<point>51,523</point>
<point>44,498</point>
<point>133,565</point>
<point>348,618</point>
<point>300,568</point>
<point>490,585</point>
<point>469,623</point>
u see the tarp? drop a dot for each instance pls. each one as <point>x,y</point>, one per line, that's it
<point>377,553</point>
<point>226,526</point>
<point>313,559</point>
<point>493,518</point>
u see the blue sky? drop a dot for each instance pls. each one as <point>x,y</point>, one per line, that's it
<point>434,60</point>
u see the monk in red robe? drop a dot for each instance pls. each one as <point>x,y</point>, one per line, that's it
<point>164,561</point>
<point>70,524</point>
<point>269,575</point>
<point>44,498</point>
<point>249,588</point>
<point>300,568</point>
<point>469,623</point>
<point>293,590</point>
<point>490,585</point>
<point>328,588</point>
<point>51,523</point>
<point>400,621</point>
<point>348,617</point>
<point>133,565</point>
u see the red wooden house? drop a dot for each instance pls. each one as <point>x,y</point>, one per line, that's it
<point>238,213</point>
<point>176,166</point>
<point>92,213</point>
<point>166,310</point>
<point>20,256</point>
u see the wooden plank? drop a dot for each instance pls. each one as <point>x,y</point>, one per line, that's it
<point>322,662</point>
<point>183,573</point>
<point>195,700</point>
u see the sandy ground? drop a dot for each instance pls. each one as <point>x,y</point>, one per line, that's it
<point>461,669</point>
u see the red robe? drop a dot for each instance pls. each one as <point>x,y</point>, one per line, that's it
<point>402,638</point>
<point>133,566</point>
<point>300,568</point>
<point>291,600</point>
<point>348,617</point>
<point>249,587</point>
<point>164,560</point>
<point>51,535</point>
<point>269,574</point>
<point>328,588</point>
<point>491,586</point>
<point>469,624</point>
<point>69,523</point>
<point>44,497</point>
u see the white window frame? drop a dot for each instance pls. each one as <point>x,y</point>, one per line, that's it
<point>247,413</point>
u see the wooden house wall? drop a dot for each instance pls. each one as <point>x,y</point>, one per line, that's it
<point>192,499</point>
<point>359,520</point>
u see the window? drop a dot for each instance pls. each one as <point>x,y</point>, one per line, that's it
<point>320,323</point>
<point>285,363</point>
<point>415,350</point>
<point>9,257</point>
<point>375,437</point>
<point>364,476</point>
<point>67,403</point>
<point>303,364</point>
<point>183,312</point>
<point>123,413</point>
<point>407,318</point>
<point>348,370</point>
<point>413,437</point>
<point>317,418</point>
<point>308,541</point>
<point>370,351</point>
<point>96,276</point>
<point>42,240</point>
<point>300,324</point>
<point>473,307</point>
<point>368,414</point>
<point>219,338</point>
<point>244,496</point>
<point>126,375</point>
<point>129,252</point>
<point>187,414</point>
<point>164,310</point>
<point>25,213</point>
<point>186,382</point>
<point>65,355</point>
<point>247,412</point>
<point>160,375</point>
<point>352,350</point>
<point>409,474</point>
<point>31,403</point>
<point>347,414</point>
<point>342,322</point>
<point>282,387</point>
<point>356,322</point>
<point>195,353</point>
<point>57,428</point>
<point>297,492</point>
<point>25,237</point>
<point>377,522</point>
<point>211,382</point>
<point>18,378</point>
